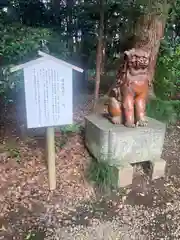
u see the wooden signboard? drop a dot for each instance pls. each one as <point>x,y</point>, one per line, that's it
<point>48,96</point>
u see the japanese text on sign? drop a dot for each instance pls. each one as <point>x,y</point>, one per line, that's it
<point>48,92</point>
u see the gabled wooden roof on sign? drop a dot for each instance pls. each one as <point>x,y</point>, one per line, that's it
<point>44,57</point>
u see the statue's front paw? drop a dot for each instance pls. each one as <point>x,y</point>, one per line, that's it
<point>130,125</point>
<point>142,123</point>
<point>116,120</point>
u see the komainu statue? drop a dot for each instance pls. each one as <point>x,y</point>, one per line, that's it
<point>127,100</point>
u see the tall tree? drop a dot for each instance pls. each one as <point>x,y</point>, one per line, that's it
<point>149,29</point>
<point>69,8</point>
<point>99,53</point>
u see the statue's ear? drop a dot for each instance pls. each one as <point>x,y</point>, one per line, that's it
<point>126,53</point>
<point>148,54</point>
<point>129,52</point>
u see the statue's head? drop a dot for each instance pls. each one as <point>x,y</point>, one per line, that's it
<point>137,58</point>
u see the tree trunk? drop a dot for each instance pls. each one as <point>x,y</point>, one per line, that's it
<point>99,52</point>
<point>70,4</point>
<point>149,31</point>
<point>56,9</point>
<point>103,58</point>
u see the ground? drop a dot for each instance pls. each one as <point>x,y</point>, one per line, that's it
<point>75,210</point>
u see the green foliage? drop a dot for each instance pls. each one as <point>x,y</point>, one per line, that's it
<point>164,110</point>
<point>72,20</point>
<point>14,152</point>
<point>72,128</point>
<point>10,83</point>
<point>104,176</point>
<point>70,32</point>
<point>176,106</point>
<point>60,142</point>
<point>57,45</point>
<point>66,131</point>
<point>167,75</point>
<point>30,236</point>
<point>20,43</point>
<point>34,234</point>
<point>166,85</point>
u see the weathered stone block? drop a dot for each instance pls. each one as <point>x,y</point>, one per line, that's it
<point>119,145</point>
<point>125,176</point>
<point>159,169</point>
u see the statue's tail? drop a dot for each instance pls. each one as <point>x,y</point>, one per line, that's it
<point>101,105</point>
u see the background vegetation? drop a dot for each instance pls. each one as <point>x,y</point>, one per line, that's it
<point>69,29</point>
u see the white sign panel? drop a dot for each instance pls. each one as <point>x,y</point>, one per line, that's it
<point>48,94</point>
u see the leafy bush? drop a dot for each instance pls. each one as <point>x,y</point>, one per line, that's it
<point>166,85</point>
<point>57,44</point>
<point>176,106</point>
<point>20,43</point>
<point>164,110</point>
<point>167,75</point>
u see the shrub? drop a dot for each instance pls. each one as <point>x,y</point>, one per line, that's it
<point>167,75</point>
<point>20,43</point>
<point>164,110</point>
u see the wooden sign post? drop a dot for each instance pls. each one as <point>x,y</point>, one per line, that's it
<point>51,157</point>
<point>48,95</point>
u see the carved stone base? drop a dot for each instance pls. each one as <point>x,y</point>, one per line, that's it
<point>159,169</point>
<point>120,146</point>
<point>125,176</point>
<point>156,170</point>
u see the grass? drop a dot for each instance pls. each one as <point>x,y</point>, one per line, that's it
<point>104,176</point>
<point>72,128</point>
<point>11,150</point>
<point>66,131</point>
<point>61,142</point>
<point>34,235</point>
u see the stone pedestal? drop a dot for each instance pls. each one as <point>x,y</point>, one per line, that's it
<point>120,146</point>
<point>158,169</point>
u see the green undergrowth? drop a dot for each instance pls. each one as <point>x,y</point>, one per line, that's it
<point>163,110</point>
<point>72,128</point>
<point>60,142</point>
<point>34,235</point>
<point>66,132</point>
<point>105,177</point>
<point>11,150</point>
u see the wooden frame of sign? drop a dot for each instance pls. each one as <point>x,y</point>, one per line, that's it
<point>48,96</point>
